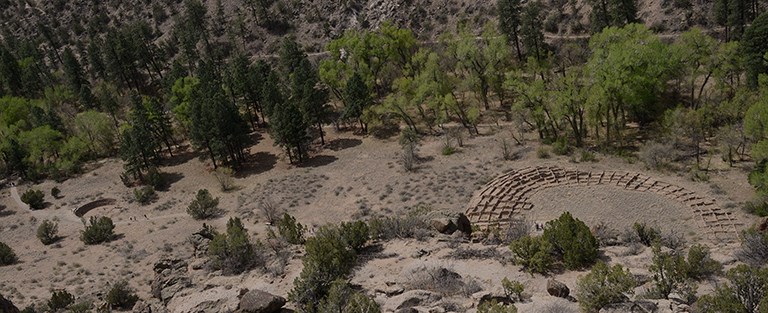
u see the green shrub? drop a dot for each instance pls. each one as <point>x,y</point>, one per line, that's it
<point>289,230</point>
<point>60,300</point>
<point>534,254</point>
<point>144,195</point>
<point>233,252</point>
<point>155,179</point>
<point>47,232</point>
<point>757,206</point>
<point>747,292</point>
<point>542,152</point>
<point>604,285</point>
<point>204,206</point>
<point>342,298</point>
<point>34,198</point>
<point>513,289</point>
<point>355,234</point>
<point>81,307</point>
<point>7,256</point>
<point>572,240</point>
<point>328,257</point>
<point>225,177</point>
<point>588,156</point>
<point>100,230</point>
<point>648,235</point>
<point>121,296</point>
<point>494,306</point>
<point>700,263</point>
<point>754,247</point>
<point>668,270</point>
<point>561,147</point>
<point>447,150</point>
<point>55,192</point>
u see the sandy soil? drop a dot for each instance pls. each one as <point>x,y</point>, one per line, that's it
<point>352,178</point>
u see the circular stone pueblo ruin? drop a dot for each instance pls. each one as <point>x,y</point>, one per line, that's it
<point>510,194</point>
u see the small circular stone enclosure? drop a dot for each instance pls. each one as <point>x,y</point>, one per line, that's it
<point>510,194</point>
<point>81,210</point>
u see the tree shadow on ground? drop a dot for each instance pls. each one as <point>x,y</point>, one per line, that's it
<point>258,163</point>
<point>180,157</point>
<point>5,212</point>
<point>343,143</point>
<point>170,179</point>
<point>319,160</point>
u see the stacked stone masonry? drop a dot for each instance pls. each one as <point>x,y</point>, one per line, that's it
<point>509,194</point>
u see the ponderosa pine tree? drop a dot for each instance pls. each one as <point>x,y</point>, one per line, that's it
<point>509,22</point>
<point>215,122</point>
<point>357,98</point>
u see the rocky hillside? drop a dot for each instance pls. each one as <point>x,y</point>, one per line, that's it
<point>259,24</point>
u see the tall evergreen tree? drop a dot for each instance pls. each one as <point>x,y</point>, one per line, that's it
<point>532,30</point>
<point>509,22</point>
<point>357,98</point>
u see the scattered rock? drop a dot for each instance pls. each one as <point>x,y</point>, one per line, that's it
<point>490,296</point>
<point>557,289</point>
<point>257,301</point>
<point>391,290</point>
<point>411,299</point>
<point>149,306</point>
<point>420,253</point>
<point>6,306</point>
<point>170,278</point>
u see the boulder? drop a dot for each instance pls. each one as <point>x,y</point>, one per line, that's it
<point>557,289</point>
<point>257,301</point>
<point>6,306</point>
<point>443,225</point>
<point>450,222</point>
<point>763,226</point>
<point>170,278</point>
<point>411,299</point>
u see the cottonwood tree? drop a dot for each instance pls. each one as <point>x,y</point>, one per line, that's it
<point>629,68</point>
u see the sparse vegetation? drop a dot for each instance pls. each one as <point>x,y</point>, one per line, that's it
<point>289,230</point>
<point>329,256</point>
<point>513,289</point>
<point>144,195</point>
<point>604,285</point>
<point>34,198</point>
<point>47,232</point>
<point>55,192</point>
<point>121,296</point>
<point>534,254</point>
<point>754,247</point>
<point>60,300</point>
<point>204,206</point>
<point>99,230</point>
<point>224,175</point>
<point>648,235</point>
<point>7,256</point>
<point>745,293</point>
<point>233,252</point>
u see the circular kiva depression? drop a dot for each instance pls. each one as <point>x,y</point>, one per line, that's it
<point>617,198</point>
